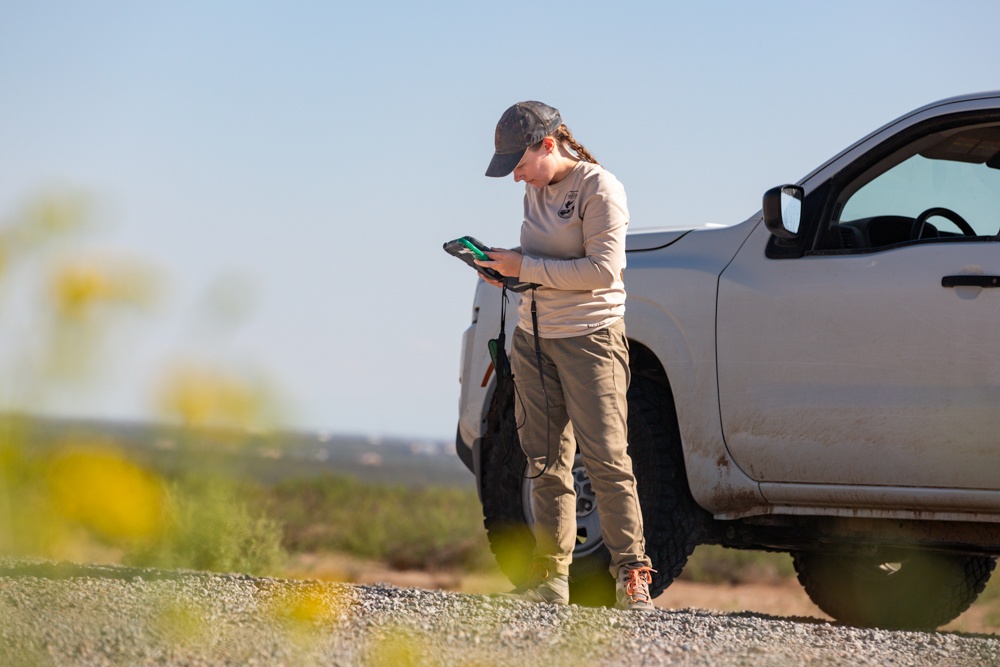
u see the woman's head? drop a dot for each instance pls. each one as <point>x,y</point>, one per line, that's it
<point>531,140</point>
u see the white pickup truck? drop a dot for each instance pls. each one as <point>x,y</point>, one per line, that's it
<point>821,379</point>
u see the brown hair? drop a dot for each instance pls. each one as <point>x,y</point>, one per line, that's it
<point>564,136</point>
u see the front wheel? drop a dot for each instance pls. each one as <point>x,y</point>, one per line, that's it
<point>671,519</point>
<point>901,589</point>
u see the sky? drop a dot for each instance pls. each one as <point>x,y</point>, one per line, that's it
<point>307,160</point>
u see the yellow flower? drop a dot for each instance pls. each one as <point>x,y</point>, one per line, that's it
<point>203,397</point>
<point>80,287</point>
<point>106,493</point>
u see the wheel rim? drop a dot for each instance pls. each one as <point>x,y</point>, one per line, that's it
<point>588,523</point>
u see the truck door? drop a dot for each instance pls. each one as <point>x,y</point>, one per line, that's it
<point>874,358</point>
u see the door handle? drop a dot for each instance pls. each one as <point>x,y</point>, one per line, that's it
<point>970,281</point>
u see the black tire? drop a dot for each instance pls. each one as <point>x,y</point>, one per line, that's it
<point>672,521</point>
<point>671,518</point>
<point>904,589</point>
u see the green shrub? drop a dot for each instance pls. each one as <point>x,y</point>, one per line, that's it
<point>712,564</point>
<point>429,528</point>
<point>84,500</point>
<point>210,526</point>
<point>992,591</point>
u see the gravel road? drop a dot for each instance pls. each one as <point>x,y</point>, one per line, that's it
<point>61,614</point>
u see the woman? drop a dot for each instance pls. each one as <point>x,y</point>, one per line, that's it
<point>573,248</point>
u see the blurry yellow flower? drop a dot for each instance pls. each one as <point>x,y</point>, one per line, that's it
<point>4,252</point>
<point>55,215</point>
<point>401,648</point>
<point>45,219</point>
<point>106,493</point>
<point>308,604</point>
<point>79,287</point>
<point>203,397</point>
<point>181,622</point>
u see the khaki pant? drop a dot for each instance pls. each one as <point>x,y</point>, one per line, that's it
<point>586,378</point>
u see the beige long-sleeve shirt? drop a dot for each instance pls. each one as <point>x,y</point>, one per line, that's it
<point>573,242</point>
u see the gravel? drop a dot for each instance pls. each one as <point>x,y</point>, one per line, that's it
<point>62,614</point>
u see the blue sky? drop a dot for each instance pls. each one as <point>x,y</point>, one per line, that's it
<point>317,155</point>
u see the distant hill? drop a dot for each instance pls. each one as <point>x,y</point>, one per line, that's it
<point>265,457</point>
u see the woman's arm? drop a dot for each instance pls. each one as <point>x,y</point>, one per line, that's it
<point>605,221</point>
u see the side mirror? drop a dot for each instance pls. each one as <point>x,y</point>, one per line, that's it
<point>783,210</point>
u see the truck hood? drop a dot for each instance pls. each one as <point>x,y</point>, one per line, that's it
<point>653,238</point>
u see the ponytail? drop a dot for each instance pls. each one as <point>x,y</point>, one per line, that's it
<point>564,136</point>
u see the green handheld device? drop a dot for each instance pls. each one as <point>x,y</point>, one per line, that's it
<point>469,249</point>
<point>471,244</point>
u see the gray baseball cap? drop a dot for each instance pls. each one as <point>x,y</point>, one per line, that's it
<point>521,126</point>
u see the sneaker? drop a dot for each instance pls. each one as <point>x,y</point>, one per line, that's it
<point>542,587</point>
<point>632,588</point>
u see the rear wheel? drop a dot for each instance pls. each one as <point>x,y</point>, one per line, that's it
<point>670,516</point>
<point>902,588</point>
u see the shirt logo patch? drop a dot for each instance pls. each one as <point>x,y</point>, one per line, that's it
<point>566,210</point>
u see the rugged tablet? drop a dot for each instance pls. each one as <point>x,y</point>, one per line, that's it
<point>469,249</point>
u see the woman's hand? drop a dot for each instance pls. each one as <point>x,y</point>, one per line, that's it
<point>487,279</point>
<point>505,262</point>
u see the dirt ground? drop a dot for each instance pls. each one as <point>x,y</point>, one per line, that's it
<point>783,598</point>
